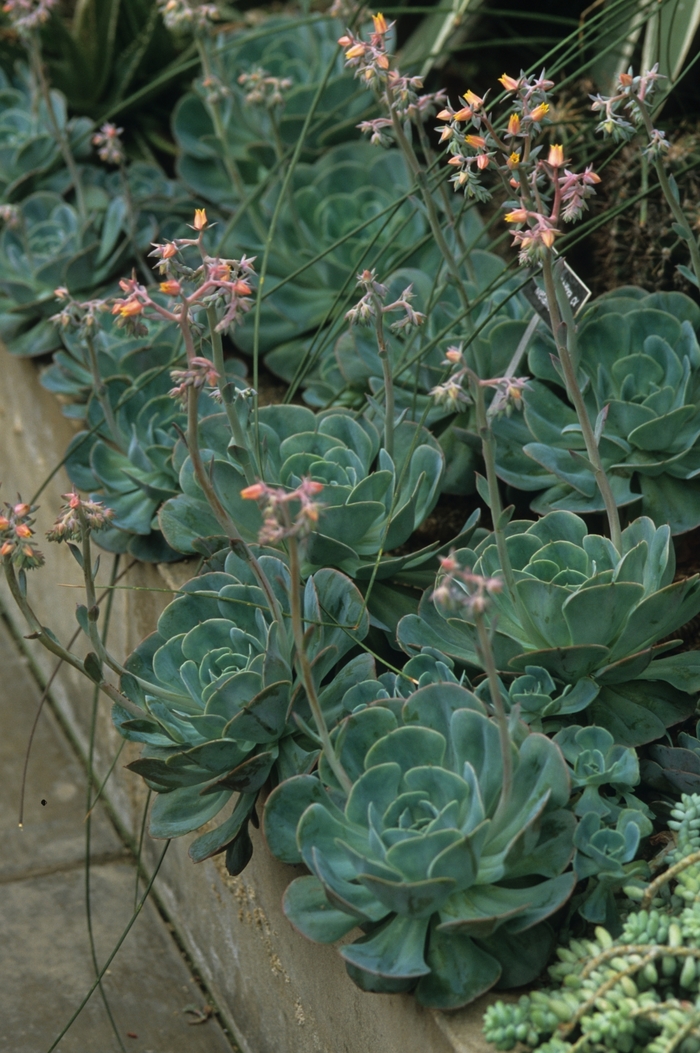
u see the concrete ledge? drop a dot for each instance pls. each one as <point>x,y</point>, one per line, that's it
<point>278,992</point>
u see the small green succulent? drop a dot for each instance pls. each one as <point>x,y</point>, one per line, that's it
<point>28,146</point>
<point>254,134</point>
<point>592,617</point>
<point>639,369</point>
<point>223,709</point>
<point>450,883</point>
<point>638,991</point>
<point>130,469</point>
<point>371,503</point>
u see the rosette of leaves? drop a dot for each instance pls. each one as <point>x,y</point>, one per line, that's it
<point>674,769</point>
<point>371,503</point>
<point>223,709</point>
<point>592,617</point>
<point>344,214</point>
<point>639,369</point>
<point>127,463</point>
<point>28,146</point>
<point>254,135</point>
<point>450,883</point>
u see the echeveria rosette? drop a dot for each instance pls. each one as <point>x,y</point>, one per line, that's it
<point>451,890</point>
<point>284,49</point>
<point>136,477</point>
<point>371,503</point>
<point>674,769</point>
<point>639,363</point>
<point>352,186</point>
<point>226,711</point>
<point>591,617</point>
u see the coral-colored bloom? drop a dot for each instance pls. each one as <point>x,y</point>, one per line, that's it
<point>477,142</point>
<point>464,114</point>
<point>171,287</point>
<point>381,25</point>
<point>128,308</point>
<point>254,492</point>
<point>200,219</point>
<point>540,112</point>
<point>445,115</point>
<point>356,51</point>
<point>518,215</point>
<point>556,155</point>
<point>509,83</point>
<point>22,530</point>
<point>514,124</point>
<point>483,161</point>
<point>473,100</point>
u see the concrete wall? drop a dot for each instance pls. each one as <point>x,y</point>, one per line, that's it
<point>278,992</point>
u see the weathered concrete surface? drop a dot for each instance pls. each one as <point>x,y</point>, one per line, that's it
<point>45,960</point>
<point>278,992</point>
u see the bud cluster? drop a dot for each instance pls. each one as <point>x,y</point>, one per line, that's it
<point>452,394</point>
<point>280,521</point>
<point>262,89</point>
<point>371,304</point>
<point>109,145</point>
<point>79,517</point>
<point>461,590</point>
<point>632,96</point>
<point>16,533</point>
<point>199,373</point>
<point>80,317</point>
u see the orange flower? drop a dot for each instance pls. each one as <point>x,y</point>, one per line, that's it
<point>241,288</point>
<point>509,83</point>
<point>445,115</point>
<point>556,155</point>
<point>254,492</point>
<point>477,141</point>
<point>128,308</point>
<point>382,61</point>
<point>518,215</point>
<point>473,100</point>
<point>6,549</point>
<point>548,237</point>
<point>22,509</point>
<point>22,530</point>
<point>381,25</point>
<point>540,112</point>
<point>514,124</point>
<point>171,287</point>
<point>4,522</point>
<point>456,160</point>
<point>200,219</point>
<point>626,79</point>
<point>355,51</point>
<point>463,115</point>
<point>482,161</point>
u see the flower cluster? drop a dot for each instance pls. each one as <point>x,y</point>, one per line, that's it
<point>460,589</point>
<point>181,15</point>
<point>200,372</point>
<point>109,145</point>
<point>81,317</point>
<point>452,395</point>
<point>215,282</point>
<point>281,521</point>
<point>27,15</point>
<point>79,517</point>
<point>16,533</point>
<point>372,304</point>
<point>262,89</point>
<point>632,96</point>
<point>399,95</point>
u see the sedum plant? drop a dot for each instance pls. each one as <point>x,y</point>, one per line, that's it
<point>638,991</point>
<point>450,875</point>
<point>592,617</point>
<point>639,368</point>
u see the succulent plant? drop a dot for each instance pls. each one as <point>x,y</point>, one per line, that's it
<point>285,49</point>
<point>130,468</point>
<point>635,992</point>
<point>372,504</point>
<point>674,769</point>
<point>223,708</point>
<point>639,368</point>
<point>28,146</point>
<point>450,883</point>
<point>592,617</point>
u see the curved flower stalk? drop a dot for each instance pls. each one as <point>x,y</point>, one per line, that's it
<point>452,890</point>
<point>372,502</point>
<point>638,990</point>
<point>223,706</point>
<point>639,369</point>
<point>591,617</point>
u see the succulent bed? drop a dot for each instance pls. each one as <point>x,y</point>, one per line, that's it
<point>469,725</point>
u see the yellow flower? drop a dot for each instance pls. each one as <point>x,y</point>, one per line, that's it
<point>514,160</point>
<point>540,112</point>
<point>380,24</point>
<point>200,219</point>
<point>509,83</point>
<point>473,100</point>
<point>355,51</point>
